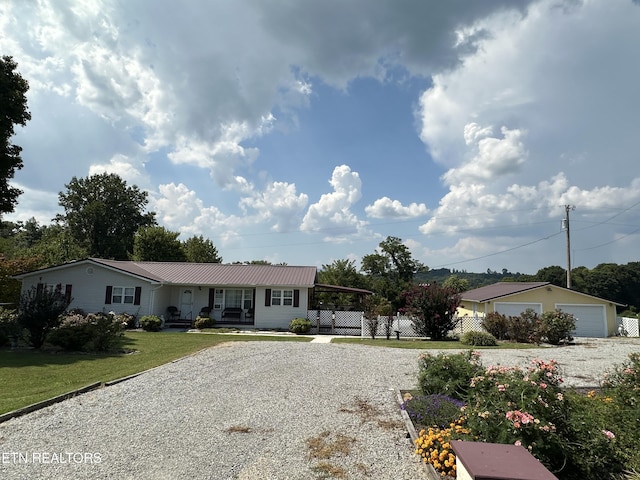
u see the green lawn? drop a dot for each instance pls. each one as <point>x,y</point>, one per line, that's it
<point>28,376</point>
<point>426,344</point>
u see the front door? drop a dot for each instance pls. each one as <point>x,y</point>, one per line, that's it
<point>186,304</point>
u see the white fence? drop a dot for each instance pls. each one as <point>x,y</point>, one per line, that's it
<point>629,327</point>
<point>403,325</point>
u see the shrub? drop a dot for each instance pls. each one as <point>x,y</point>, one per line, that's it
<point>204,322</point>
<point>524,328</point>
<point>106,332</point>
<point>39,312</point>
<point>448,374</point>
<point>427,411</point>
<point>478,339</point>
<point>432,309</point>
<point>128,320</point>
<point>9,328</point>
<point>556,326</point>
<point>300,325</point>
<point>496,324</point>
<point>93,333</point>
<point>151,323</point>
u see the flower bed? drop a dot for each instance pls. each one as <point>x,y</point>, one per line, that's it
<point>574,435</point>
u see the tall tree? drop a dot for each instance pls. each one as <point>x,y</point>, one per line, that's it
<point>102,214</point>
<point>157,244</point>
<point>391,269</point>
<point>13,111</point>
<point>201,250</point>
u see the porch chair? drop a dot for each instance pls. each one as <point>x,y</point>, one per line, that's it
<point>205,312</point>
<point>174,313</point>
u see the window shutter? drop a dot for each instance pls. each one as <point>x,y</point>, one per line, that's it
<point>39,289</point>
<point>212,293</point>
<point>296,298</point>
<point>267,297</point>
<point>107,295</point>
<point>67,293</point>
<point>137,295</point>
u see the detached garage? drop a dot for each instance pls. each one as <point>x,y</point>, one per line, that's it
<point>595,317</point>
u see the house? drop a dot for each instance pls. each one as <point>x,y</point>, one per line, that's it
<point>595,317</point>
<point>262,296</point>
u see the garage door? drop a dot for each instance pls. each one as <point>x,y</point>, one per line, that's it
<point>511,309</point>
<point>591,320</point>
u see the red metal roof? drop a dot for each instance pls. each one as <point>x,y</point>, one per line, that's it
<point>186,273</point>
<point>500,289</point>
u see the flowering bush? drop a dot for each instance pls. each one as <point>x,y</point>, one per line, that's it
<point>524,407</point>
<point>556,326</point>
<point>621,398</point>
<point>432,410</point>
<point>496,324</point>
<point>573,435</point>
<point>99,332</point>
<point>448,374</point>
<point>432,309</point>
<point>434,446</point>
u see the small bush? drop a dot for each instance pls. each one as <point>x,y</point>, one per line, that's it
<point>478,339</point>
<point>496,324</point>
<point>556,326</point>
<point>449,374</point>
<point>9,328</point>
<point>300,325</point>
<point>40,312</point>
<point>151,323</point>
<point>427,411</point>
<point>524,328</point>
<point>128,320</point>
<point>204,322</point>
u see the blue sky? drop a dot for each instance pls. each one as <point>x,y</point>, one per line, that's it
<point>305,132</point>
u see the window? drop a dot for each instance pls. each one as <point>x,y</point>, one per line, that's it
<point>232,297</point>
<point>122,295</point>
<point>282,297</point>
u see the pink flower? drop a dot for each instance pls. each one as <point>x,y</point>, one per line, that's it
<point>608,434</point>
<point>543,385</point>
<point>501,388</point>
<point>518,443</point>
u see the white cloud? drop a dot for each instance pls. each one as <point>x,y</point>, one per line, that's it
<point>493,158</point>
<point>131,170</point>
<point>279,204</point>
<point>332,214</point>
<point>563,76</point>
<point>386,208</point>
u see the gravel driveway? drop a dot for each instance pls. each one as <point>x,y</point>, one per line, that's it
<point>255,410</point>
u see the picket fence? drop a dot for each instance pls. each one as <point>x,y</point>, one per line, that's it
<point>340,322</point>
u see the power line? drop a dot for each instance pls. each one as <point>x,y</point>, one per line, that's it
<point>500,252</point>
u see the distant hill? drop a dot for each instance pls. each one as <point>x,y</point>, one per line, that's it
<point>475,280</point>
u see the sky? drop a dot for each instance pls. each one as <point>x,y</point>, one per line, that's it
<point>306,132</point>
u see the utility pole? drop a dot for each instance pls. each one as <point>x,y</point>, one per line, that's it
<point>565,227</point>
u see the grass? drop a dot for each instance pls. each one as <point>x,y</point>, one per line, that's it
<point>29,376</point>
<point>428,344</point>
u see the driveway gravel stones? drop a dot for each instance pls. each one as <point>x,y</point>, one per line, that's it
<point>255,410</point>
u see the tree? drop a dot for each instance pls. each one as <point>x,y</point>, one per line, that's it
<point>103,214</point>
<point>553,274</point>
<point>456,283</point>
<point>391,269</point>
<point>199,250</point>
<point>40,310</point>
<point>157,244</point>
<point>13,111</point>
<point>433,309</point>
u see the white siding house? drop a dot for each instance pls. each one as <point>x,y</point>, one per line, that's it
<point>263,296</point>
